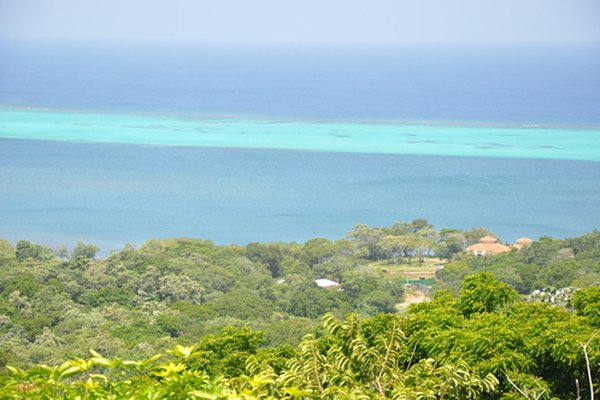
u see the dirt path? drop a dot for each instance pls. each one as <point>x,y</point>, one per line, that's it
<point>412,296</point>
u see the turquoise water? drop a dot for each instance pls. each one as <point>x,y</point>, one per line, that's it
<point>243,143</point>
<point>110,194</point>
<point>329,136</point>
<point>113,178</point>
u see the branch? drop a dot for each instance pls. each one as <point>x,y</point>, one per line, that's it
<point>411,358</point>
<point>587,363</point>
<point>315,362</point>
<point>380,387</point>
<point>525,394</point>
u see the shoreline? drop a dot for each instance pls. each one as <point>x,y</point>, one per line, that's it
<point>105,193</point>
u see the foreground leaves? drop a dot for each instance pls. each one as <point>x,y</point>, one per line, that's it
<point>437,351</point>
<point>344,364</point>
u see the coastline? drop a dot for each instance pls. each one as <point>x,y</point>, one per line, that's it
<point>109,194</point>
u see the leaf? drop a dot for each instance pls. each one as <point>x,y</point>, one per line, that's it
<point>295,392</point>
<point>129,363</point>
<point>101,361</point>
<point>152,359</point>
<point>170,369</point>
<point>182,351</point>
<point>99,376</point>
<point>14,370</point>
<point>70,371</point>
<point>258,380</point>
<point>203,395</point>
<point>95,353</point>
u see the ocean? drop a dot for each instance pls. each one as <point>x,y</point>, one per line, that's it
<point>239,144</point>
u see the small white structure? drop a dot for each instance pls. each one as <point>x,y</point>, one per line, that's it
<point>326,283</point>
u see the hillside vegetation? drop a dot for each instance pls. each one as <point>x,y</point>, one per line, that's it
<point>250,322</point>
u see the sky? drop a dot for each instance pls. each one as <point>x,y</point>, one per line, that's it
<point>302,21</point>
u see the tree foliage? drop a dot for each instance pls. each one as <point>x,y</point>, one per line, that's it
<point>243,322</point>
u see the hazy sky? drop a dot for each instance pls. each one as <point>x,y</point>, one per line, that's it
<point>327,21</point>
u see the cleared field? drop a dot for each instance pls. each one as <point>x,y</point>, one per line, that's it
<point>410,272</point>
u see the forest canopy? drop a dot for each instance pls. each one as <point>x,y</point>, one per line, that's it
<point>254,320</point>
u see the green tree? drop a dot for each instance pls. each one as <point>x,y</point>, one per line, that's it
<point>7,252</point>
<point>587,303</point>
<point>394,247</point>
<point>86,250</point>
<point>27,250</point>
<point>180,287</point>
<point>226,353</point>
<point>452,242</point>
<point>483,293</point>
<point>310,301</point>
<point>377,301</point>
<point>316,251</point>
<point>366,240</point>
<point>272,255</point>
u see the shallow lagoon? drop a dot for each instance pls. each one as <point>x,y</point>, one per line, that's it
<point>330,136</point>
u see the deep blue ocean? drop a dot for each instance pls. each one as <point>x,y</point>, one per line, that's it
<point>110,194</point>
<point>499,85</point>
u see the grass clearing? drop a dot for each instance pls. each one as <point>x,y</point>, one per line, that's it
<point>414,271</point>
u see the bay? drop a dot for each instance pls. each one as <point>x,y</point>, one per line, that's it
<point>110,194</point>
<point>120,143</point>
